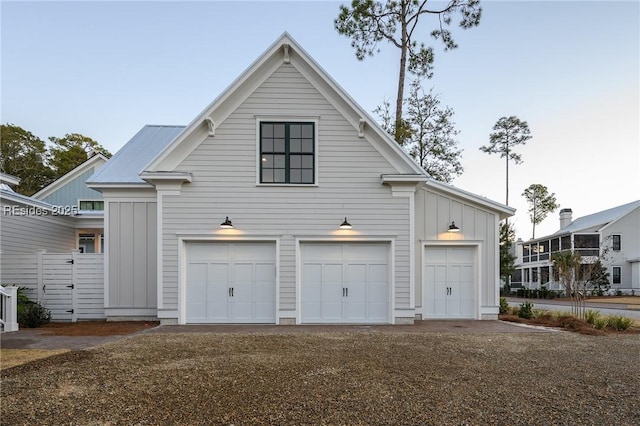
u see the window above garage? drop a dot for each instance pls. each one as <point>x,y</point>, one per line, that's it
<point>287,152</point>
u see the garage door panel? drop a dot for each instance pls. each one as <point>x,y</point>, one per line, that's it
<point>238,286</point>
<point>449,282</point>
<point>352,282</point>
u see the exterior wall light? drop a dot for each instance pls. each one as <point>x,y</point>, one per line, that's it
<point>345,224</point>
<point>226,224</point>
<point>453,227</point>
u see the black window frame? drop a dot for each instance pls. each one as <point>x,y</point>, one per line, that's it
<point>93,205</point>
<point>288,152</point>
<point>616,278</point>
<point>616,242</point>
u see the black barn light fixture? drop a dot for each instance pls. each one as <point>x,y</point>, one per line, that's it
<point>345,224</point>
<point>453,227</point>
<point>226,224</point>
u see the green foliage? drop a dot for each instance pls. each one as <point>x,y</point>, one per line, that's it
<point>427,133</point>
<point>31,314</point>
<point>72,150</point>
<point>504,306</point>
<point>368,22</point>
<point>526,310</point>
<point>600,323</point>
<point>620,322</point>
<point>537,313</point>
<point>599,279</point>
<point>508,132</point>
<point>507,257</point>
<point>24,155</point>
<point>591,316</point>
<point>541,203</point>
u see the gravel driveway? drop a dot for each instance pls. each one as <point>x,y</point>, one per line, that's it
<point>340,377</point>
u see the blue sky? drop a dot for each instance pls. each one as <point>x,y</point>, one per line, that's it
<point>571,69</point>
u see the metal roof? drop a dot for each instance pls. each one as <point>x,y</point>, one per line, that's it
<point>598,220</point>
<point>126,165</point>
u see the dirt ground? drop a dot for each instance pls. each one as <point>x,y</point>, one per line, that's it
<point>372,376</point>
<point>97,328</point>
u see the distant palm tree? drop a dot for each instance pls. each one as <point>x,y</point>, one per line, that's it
<point>568,266</point>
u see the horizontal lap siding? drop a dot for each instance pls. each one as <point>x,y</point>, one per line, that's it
<point>224,184</point>
<point>31,233</point>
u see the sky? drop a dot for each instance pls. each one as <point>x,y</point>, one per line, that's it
<point>571,69</point>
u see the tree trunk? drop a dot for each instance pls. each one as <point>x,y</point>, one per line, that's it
<point>507,191</point>
<point>399,131</point>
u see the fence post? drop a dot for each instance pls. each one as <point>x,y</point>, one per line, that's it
<point>40,288</point>
<point>11,309</point>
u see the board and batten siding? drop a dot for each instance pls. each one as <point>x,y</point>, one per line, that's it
<point>434,213</point>
<point>224,170</point>
<point>75,190</point>
<point>132,254</point>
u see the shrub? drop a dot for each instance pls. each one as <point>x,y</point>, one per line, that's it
<point>600,323</point>
<point>504,306</point>
<point>591,316</point>
<point>537,313</point>
<point>526,310</point>
<point>619,322</point>
<point>33,314</point>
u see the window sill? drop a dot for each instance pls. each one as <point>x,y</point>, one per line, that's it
<point>287,185</point>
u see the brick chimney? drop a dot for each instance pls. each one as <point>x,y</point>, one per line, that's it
<point>565,218</point>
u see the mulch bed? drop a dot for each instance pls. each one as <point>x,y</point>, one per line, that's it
<point>568,323</point>
<point>97,328</point>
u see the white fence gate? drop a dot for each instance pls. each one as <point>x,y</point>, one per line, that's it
<point>70,285</point>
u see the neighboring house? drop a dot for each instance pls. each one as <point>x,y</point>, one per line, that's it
<point>71,194</point>
<point>612,235</point>
<point>284,202</point>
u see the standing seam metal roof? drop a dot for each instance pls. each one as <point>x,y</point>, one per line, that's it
<point>598,219</point>
<point>126,165</point>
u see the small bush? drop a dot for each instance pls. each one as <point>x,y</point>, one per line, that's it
<point>537,313</point>
<point>526,310</point>
<point>591,316</point>
<point>619,322</point>
<point>601,323</point>
<point>504,306</point>
<point>32,315</point>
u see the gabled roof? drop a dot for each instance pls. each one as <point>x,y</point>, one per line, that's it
<point>598,220</point>
<point>127,164</point>
<point>284,50</point>
<point>95,161</point>
<point>503,210</point>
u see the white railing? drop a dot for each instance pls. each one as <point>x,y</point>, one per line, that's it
<point>9,309</point>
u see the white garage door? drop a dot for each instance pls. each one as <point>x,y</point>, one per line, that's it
<point>345,283</point>
<point>231,283</point>
<point>449,284</point>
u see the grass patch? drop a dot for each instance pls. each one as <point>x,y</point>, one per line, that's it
<point>13,357</point>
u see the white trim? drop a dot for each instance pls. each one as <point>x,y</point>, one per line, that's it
<point>106,243</point>
<point>118,185</point>
<point>289,119</point>
<point>409,192</point>
<point>505,211</point>
<point>69,176</point>
<point>184,239</point>
<point>477,245</point>
<point>299,240</point>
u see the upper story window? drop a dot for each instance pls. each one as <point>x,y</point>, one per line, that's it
<point>587,244</point>
<point>287,152</point>
<point>91,205</point>
<point>617,243</point>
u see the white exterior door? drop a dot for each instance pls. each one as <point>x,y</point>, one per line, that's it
<point>449,286</point>
<point>345,283</point>
<point>231,283</point>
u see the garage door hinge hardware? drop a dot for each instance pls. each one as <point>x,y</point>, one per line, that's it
<point>70,261</point>
<point>71,286</point>
<point>70,311</point>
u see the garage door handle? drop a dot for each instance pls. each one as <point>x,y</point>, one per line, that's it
<point>230,291</point>
<point>347,291</point>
